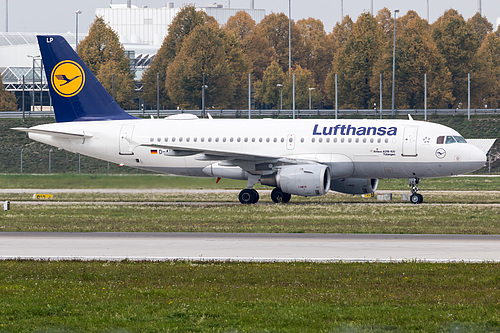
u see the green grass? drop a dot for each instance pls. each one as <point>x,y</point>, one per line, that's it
<point>294,218</point>
<point>248,297</point>
<point>86,181</point>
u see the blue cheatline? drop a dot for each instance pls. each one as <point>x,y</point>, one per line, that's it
<point>76,93</point>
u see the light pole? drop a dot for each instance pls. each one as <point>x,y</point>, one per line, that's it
<point>394,58</point>
<point>310,104</point>
<point>279,85</point>
<point>78,12</point>
<point>33,81</point>
<point>289,36</point>
<point>203,95</point>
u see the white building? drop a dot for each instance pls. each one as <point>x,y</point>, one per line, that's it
<point>149,26</point>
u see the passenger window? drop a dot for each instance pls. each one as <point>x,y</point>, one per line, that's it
<point>173,139</point>
<point>302,140</point>
<point>320,140</point>
<point>327,140</point>
<point>342,140</point>
<point>386,140</point>
<point>312,140</point>
<point>275,140</point>
<point>440,140</point>
<point>450,139</point>
<point>166,139</point>
<point>187,139</point>
<point>282,139</point>
<point>334,140</point>
<point>216,139</point>
<point>349,140</point>
<point>209,139</point>
<point>357,140</point>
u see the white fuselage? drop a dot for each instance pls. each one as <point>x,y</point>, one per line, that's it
<point>351,148</point>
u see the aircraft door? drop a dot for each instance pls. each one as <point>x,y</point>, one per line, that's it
<point>290,141</point>
<point>125,143</point>
<point>410,141</point>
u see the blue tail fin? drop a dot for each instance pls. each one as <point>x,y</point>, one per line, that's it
<point>76,93</point>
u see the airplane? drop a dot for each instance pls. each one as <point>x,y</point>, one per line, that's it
<point>304,157</point>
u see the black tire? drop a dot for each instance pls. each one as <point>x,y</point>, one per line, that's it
<point>278,196</point>
<point>416,198</point>
<point>286,197</point>
<point>248,196</point>
<point>256,194</point>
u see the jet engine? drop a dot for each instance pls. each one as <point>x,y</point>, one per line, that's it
<point>306,179</point>
<point>354,185</point>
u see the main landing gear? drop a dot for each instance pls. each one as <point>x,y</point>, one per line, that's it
<point>415,198</point>
<point>251,196</point>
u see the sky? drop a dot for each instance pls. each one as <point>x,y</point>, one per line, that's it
<point>58,16</point>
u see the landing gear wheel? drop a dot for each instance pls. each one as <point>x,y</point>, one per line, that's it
<point>248,196</point>
<point>278,196</point>
<point>416,198</point>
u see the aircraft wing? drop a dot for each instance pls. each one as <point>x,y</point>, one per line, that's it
<point>59,134</point>
<point>248,162</point>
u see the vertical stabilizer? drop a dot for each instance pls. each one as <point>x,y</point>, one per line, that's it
<point>76,93</point>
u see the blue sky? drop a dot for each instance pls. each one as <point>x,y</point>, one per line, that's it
<point>59,15</point>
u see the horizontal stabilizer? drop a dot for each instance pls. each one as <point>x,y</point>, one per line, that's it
<point>59,134</point>
<point>483,144</point>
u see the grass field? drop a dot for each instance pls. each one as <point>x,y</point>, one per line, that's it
<point>124,296</point>
<point>248,297</point>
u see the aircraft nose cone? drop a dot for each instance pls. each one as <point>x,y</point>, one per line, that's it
<point>477,158</point>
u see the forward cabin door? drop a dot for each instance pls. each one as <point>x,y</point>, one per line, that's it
<point>410,141</point>
<point>125,145</point>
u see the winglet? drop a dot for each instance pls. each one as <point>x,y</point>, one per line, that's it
<point>76,93</point>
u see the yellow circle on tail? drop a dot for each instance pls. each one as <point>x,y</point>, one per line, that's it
<point>67,78</point>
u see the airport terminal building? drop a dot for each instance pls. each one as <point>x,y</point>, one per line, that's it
<point>141,31</point>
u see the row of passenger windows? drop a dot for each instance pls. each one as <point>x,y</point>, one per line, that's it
<point>269,140</point>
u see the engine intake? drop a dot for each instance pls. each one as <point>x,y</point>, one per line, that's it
<point>305,179</point>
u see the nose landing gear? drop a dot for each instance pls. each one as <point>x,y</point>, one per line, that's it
<point>415,197</point>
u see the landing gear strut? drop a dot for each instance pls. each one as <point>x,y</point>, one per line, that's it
<point>415,198</point>
<point>278,196</point>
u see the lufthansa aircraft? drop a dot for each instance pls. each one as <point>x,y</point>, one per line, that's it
<point>301,157</point>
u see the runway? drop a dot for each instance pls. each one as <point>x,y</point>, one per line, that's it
<point>249,247</point>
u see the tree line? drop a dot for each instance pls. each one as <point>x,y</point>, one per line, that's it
<point>359,53</point>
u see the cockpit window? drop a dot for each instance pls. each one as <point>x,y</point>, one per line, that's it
<point>450,139</point>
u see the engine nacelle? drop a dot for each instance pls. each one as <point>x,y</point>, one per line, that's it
<point>354,185</point>
<point>306,180</point>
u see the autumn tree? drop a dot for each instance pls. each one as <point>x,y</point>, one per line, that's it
<point>268,91</point>
<point>205,50</point>
<point>123,85</point>
<point>102,45</point>
<point>354,63</point>
<point>303,81</point>
<point>104,55</point>
<point>8,101</point>
<point>482,27</point>
<point>274,28</point>
<point>317,51</point>
<point>487,73</point>
<point>416,55</point>
<point>458,43</point>
<point>182,25</point>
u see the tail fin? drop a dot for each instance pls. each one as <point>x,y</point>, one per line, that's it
<point>76,93</point>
